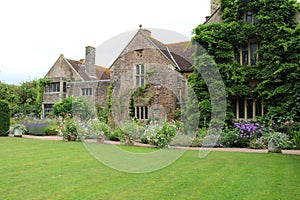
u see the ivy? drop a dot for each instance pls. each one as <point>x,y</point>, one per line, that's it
<point>278,67</point>
<point>41,87</point>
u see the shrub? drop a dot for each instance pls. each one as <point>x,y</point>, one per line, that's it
<point>243,133</point>
<point>182,140</point>
<point>115,135</point>
<point>131,131</point>
<point>4,118</point>
<point>279,139</point>
<point>36,128</point>
<point>229,138</point>
<point>72,128</point>
<point>51,130</point>
<point>257,144</point>
<point>296,139</point>
<point>160,135</point>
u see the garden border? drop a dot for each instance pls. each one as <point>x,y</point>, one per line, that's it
<point>290,152</point>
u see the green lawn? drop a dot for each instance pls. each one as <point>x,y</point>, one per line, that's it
<point>38,169</point>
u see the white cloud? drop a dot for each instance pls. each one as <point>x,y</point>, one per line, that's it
<point>34,33</point>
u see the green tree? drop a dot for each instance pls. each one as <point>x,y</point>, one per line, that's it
<point>4,118</point>
<point>73,106</point>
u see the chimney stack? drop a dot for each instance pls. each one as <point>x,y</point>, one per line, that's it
<point>90,54</point>
<point>214,5</point>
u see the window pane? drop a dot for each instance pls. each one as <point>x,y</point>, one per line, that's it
<point>64,87</point>
<point>241,108</point>
<point>249,108</point>
<point>137,81</point>
<point>137,70</point>
<point>245,54</point>
<point>249,17</point>
<point>137,112</point>
<point>146,112</point>
<point>258,107</point>
<point>142,69</point>
<point>142,81</point>
<point>58,87</point>
<point>142,112</point>
<point>253,48</point>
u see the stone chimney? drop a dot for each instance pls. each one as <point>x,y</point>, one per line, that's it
<point>214,4</point>
<point>90,54</point>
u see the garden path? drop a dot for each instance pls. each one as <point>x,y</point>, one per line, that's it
<point>291,152</point>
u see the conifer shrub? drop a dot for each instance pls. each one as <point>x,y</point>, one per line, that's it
<point>4,118</point>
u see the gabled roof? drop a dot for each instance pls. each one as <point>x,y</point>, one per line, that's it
<point>182,53</point>
<point>101,72</point>
<point>77,66</point>
<point>177,53</point>
<point>215,15</point>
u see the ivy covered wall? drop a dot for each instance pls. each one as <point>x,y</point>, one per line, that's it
<point>273,73</point>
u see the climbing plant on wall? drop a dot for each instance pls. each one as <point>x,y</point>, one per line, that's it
<point>272,24</point>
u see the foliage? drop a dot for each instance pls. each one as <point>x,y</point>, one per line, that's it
<point>4,118</point>
<point>108,108</point>
<point>102,114</point>
<point>36,127</point>
<point>22,99</point>
<point>115,135</point>
<point>97,129</point>
<point>73,106</point>
<point>230,138</point>
<point>21,127</point>
<point>278,65</point>
<point>40,93</point>
<point>160,135</point>
<point>51,130</point>
<point>257,144</point>
<point>279,139</point>
<point>131,132</point>
<point>295,139</point>
<point>72,127</point>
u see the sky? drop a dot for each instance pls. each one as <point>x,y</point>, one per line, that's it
<point>35,32</point>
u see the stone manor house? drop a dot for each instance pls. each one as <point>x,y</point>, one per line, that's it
<point>159,69</point>
<point>149,77</point>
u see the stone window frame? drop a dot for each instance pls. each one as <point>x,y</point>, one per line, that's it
<point>141,112</point>
<point>249,16</point>
<point>53,87</point>
<point>86,91</point>
<point>247,53</point>
<point>250,109</point>
<point>140,71</point>
<point>48,107</point>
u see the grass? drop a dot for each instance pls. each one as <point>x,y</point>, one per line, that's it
<point>38,169</point>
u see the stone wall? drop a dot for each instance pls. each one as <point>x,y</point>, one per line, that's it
<point>159,72</point>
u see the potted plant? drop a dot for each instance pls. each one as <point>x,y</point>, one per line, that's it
<point>18,130</point>
<point>96,130</point>
<point>276,141</point>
